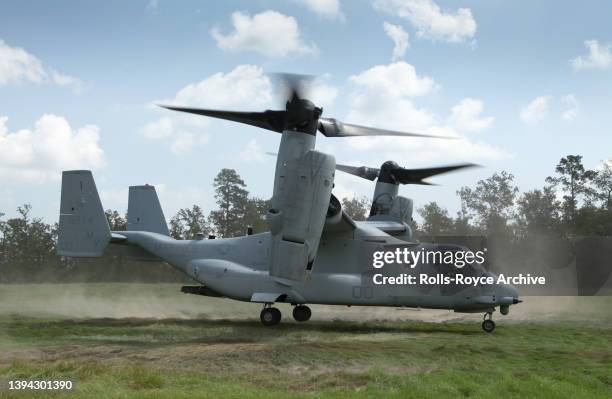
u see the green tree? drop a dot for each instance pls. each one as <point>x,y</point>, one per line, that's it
<point>603,184</point>
<point>232,198</point>
<point>115,221</point>
<point>491,202</point>
<point>177,228</point>
<point>591,220</point>
<point>188,223</point>
<point>574,180</point>
<point>357,208</point>
<point>462,224</point>
<point>26,243</point>
<point>538,212</point>
<point>435,220</point>
<point>255,216</point>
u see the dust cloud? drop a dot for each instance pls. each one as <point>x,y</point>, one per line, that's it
<point>112,300</point>
<point>162,301</point>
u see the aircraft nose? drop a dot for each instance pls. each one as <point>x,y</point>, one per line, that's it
<point>507,290</point>
<point>507,295</point>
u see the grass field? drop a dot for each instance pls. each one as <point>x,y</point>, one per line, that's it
<point>108,338</point>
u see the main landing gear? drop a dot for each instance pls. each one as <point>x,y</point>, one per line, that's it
<point>272,316</point>
<point>301,313</point>
<point>488,324</point>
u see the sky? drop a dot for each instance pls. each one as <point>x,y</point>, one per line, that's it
<point>520,84</point>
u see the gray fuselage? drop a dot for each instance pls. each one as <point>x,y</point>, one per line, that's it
<point>342,273</point>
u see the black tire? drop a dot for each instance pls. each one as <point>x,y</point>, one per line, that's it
<point>270,316</point>
<point>301,313</point>
<point>488,325</point>
<point>277,315</point>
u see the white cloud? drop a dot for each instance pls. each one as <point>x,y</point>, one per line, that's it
<point>571,107</point>
<point>430,151</point>
<point>384,95</point>
<point>398,79</point>
<point>114,198</point>
<point>349,186</point>
<point>393,113</point>
<point>152,7</point>
<point>599,57</point>
<point>18,66</point>
<point>163,127</point>
<point>269,33</point>
<point>180,141</point>
<point>326,8</point>
<point>536,110</point>
<point>245,85</point>
<point>400,40</point>
<point>430,21</point>
<point>40,154</point>
<point>186,141</point>
<point>321,92</point>
<point>252,152</point>
<point>466,116</point>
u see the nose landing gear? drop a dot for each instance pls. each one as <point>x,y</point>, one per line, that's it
<point>488,324</point>
<point>270,316</point>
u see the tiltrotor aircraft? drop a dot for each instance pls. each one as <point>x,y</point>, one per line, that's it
<point>313,253</point>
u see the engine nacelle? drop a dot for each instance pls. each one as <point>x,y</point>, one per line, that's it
<point>402,209</point>
<point>300,202</point>
<point>387,205</point>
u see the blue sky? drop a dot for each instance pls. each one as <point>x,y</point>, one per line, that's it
<point>521,83</point>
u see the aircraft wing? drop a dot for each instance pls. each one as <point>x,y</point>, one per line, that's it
<point>387,226</point>
<point>339,225</point>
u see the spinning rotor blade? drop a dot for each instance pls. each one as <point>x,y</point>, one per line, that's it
<point>299,114</point>
<point>416,176</point>
<point>331,127</point>
<point>294,86</point>
<point>391,172</point>
<point>270,120</point>
<point>361,171</point>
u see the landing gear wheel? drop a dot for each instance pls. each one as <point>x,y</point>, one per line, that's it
<point>270,316</point>
<point>301,313</point>
<point>488,325</point>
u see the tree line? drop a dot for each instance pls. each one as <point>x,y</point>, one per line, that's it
<point>236,212</point>
<point>573,201</point>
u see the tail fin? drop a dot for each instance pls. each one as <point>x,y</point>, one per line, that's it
<point>144,211</point>
<point>83,228</point>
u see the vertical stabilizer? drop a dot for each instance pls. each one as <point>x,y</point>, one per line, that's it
<point>145,212</point>
<point>83,228</point>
